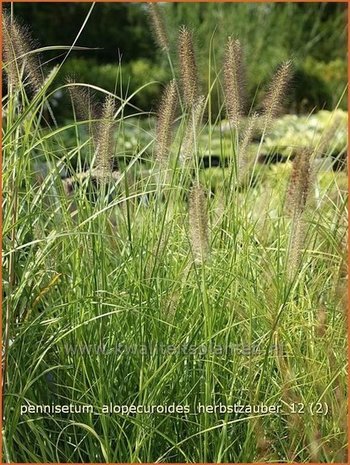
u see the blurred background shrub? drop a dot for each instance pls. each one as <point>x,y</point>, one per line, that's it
<point>124,57</point>
<point>124,79</point>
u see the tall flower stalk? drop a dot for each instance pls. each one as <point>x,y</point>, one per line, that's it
<point>296,203</point>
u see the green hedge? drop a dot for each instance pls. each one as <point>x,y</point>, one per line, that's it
<point>123,79</point>
<point>334,76</point>
<point>315,84</point>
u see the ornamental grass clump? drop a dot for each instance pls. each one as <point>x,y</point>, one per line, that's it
<point>179,290</point>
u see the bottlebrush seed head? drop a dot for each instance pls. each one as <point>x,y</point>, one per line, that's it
<point>299,183</point>
<point>276,92</point>
<point>17,45</point>
<point>85,106</point>
<point>191,132</point>
<point>233,81</point>
<point>243,160</point>
<point>198,224</point>
<point>188,67</point>
<point>158,26</point>
<point>105,142</point>
<point>166,115</point>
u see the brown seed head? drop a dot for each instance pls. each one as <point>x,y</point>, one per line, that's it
<point>188,67</point>
<point>299,183</point>
<point>321,322</point>
<point>243,161</point>
<point>11,63</point>
<point>166,115</point>
<point>158,26</point>
<point>17,45</point>
<point>198,224</point>
<point>233,81</point>
<point>296,202</point>
<point>276,92</point>
<point>83,100</point>
<point>105,140</point>
<point>191,132</point>
<point>85,106</point>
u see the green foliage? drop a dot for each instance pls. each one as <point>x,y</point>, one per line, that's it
<point>312,34</point>
<point>117,29</point>
<point>272,33</point>
<point>323,128</point>
<point>124,79</point>
<point>332,77</point>
<point>143,71</point>
<point>105,304</point>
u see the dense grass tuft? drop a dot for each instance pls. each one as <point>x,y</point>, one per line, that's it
<point>174,298</point>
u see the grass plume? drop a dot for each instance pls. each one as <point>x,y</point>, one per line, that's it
<point>299,183</point>
<point>10,61</point>
<point>191,132</point>
<point>243,159</point>
<point>85,106</point>
<point>188,66</point>
<point>233,81</point>
<point>166,115</point>
<point>297,238</point>
<point>166,284</point>
<point>105,141</point>
<point>198,224</point>
<point>17,47</point>
<point>158,26</point>
<point>276,92</point>
<point>296,201</point>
